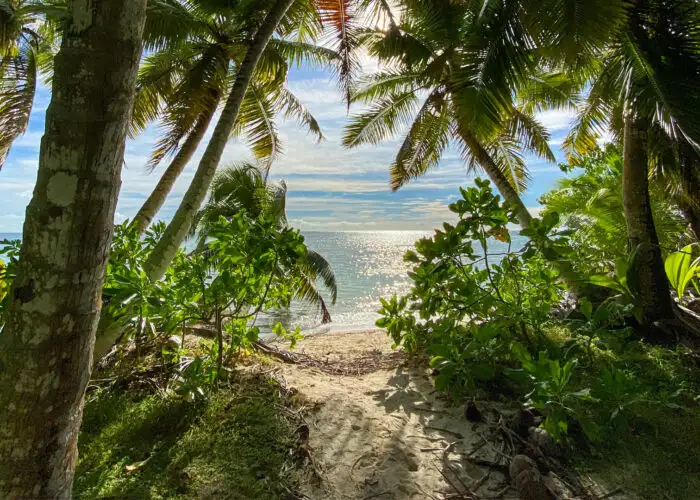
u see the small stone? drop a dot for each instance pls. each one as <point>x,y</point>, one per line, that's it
<point>472,413</point>
<point>527,479</point>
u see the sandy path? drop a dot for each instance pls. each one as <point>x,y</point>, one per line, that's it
<point>386,434</point>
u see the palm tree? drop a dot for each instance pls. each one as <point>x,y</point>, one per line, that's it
<point>452,79</point>
<point>183,83</point>
<point>46,344</point>
<point>644,89</point>
<point>245,188</point>
<point>28,41</point>
<point>283,16</point>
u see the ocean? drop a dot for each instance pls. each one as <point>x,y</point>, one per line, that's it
<point>367,265</point>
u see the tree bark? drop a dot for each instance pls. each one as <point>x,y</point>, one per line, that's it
<point>46,346</point>
<point>155,201</point>
<point>177,230</point>
<point>654,292</point>
<point>513,198</point>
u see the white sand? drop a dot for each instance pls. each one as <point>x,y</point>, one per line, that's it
<point>382,435</point>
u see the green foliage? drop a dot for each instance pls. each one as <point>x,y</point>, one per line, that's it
<point>589,203</point>
<point>9,249</point>
<point>468,309</point>
<point>487,325</point>
<point>682,270</point>
<point>552,391</point>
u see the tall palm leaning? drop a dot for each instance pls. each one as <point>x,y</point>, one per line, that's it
<point>333,13</point>
<point>183,83</point>
<point>644,90</point>
<point>453,77</point>
<point>245,188</point>
<point>445,86</point>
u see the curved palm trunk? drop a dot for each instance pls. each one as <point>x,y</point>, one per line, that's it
<point>511,196</point>
<point>177,230</point>
<point>46,346</point>
<point>155,201</point>
<point>654,293</point>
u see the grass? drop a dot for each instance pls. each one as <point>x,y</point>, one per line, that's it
<point>234,444</point>
<point>658,460</point>
<point>654,452</point>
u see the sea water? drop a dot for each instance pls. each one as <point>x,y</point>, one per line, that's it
<point>367,265</point>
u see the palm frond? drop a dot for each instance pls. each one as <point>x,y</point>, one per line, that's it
<point>575,30</point>
<point>307,291</point>
<point>382,119</point>
<point>300,53</point>
<point>531,134</point>
<point>551,90</point>
<point>338,17</point>
<point>256,119</point>
<point>197,92</point>
<point>17,90</point>
<point>507,155</point>
<point>169,22</point>
<point>384,83</point>
<point>294,108</point>
<point>593,118</point>
<point>425,141</point>
<point>317,267</point>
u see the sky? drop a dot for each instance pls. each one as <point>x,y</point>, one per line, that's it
<point>330,188</point>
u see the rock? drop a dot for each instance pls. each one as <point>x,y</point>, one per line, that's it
<point>472,413</point>
<point>527,479</point>
<point>522,421</point>
<point>542,440</point>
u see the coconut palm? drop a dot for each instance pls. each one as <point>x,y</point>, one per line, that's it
<point>452,78</point>
<point>643,89</point>
<point>283,17</point>
<point>183,84</point>
<point>245,188</point>
<point>28,41</point>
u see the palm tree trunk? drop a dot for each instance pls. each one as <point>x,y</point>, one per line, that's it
<point>46,346</point>
<point>513,198</point>
<point>155,201</point>
<point>654,293</point>
<point>177,230</point>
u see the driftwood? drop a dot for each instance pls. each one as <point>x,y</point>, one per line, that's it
<point>370,362</point>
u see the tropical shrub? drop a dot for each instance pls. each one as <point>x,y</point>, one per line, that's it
<point>470,308</point>
<point>589,203</point>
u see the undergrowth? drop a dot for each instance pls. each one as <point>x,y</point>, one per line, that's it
<point>235,443</point>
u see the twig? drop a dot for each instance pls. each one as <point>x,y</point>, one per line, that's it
<point>488,463</point>
<point>443,450</point>
<point>352,469</point>
<point>446,431</point>
<point>447,479</point>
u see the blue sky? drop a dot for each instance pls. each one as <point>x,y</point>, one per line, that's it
<point>330,188</point>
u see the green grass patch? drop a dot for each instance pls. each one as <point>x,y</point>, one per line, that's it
<point>234,444</point>
<point>658,459</point>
